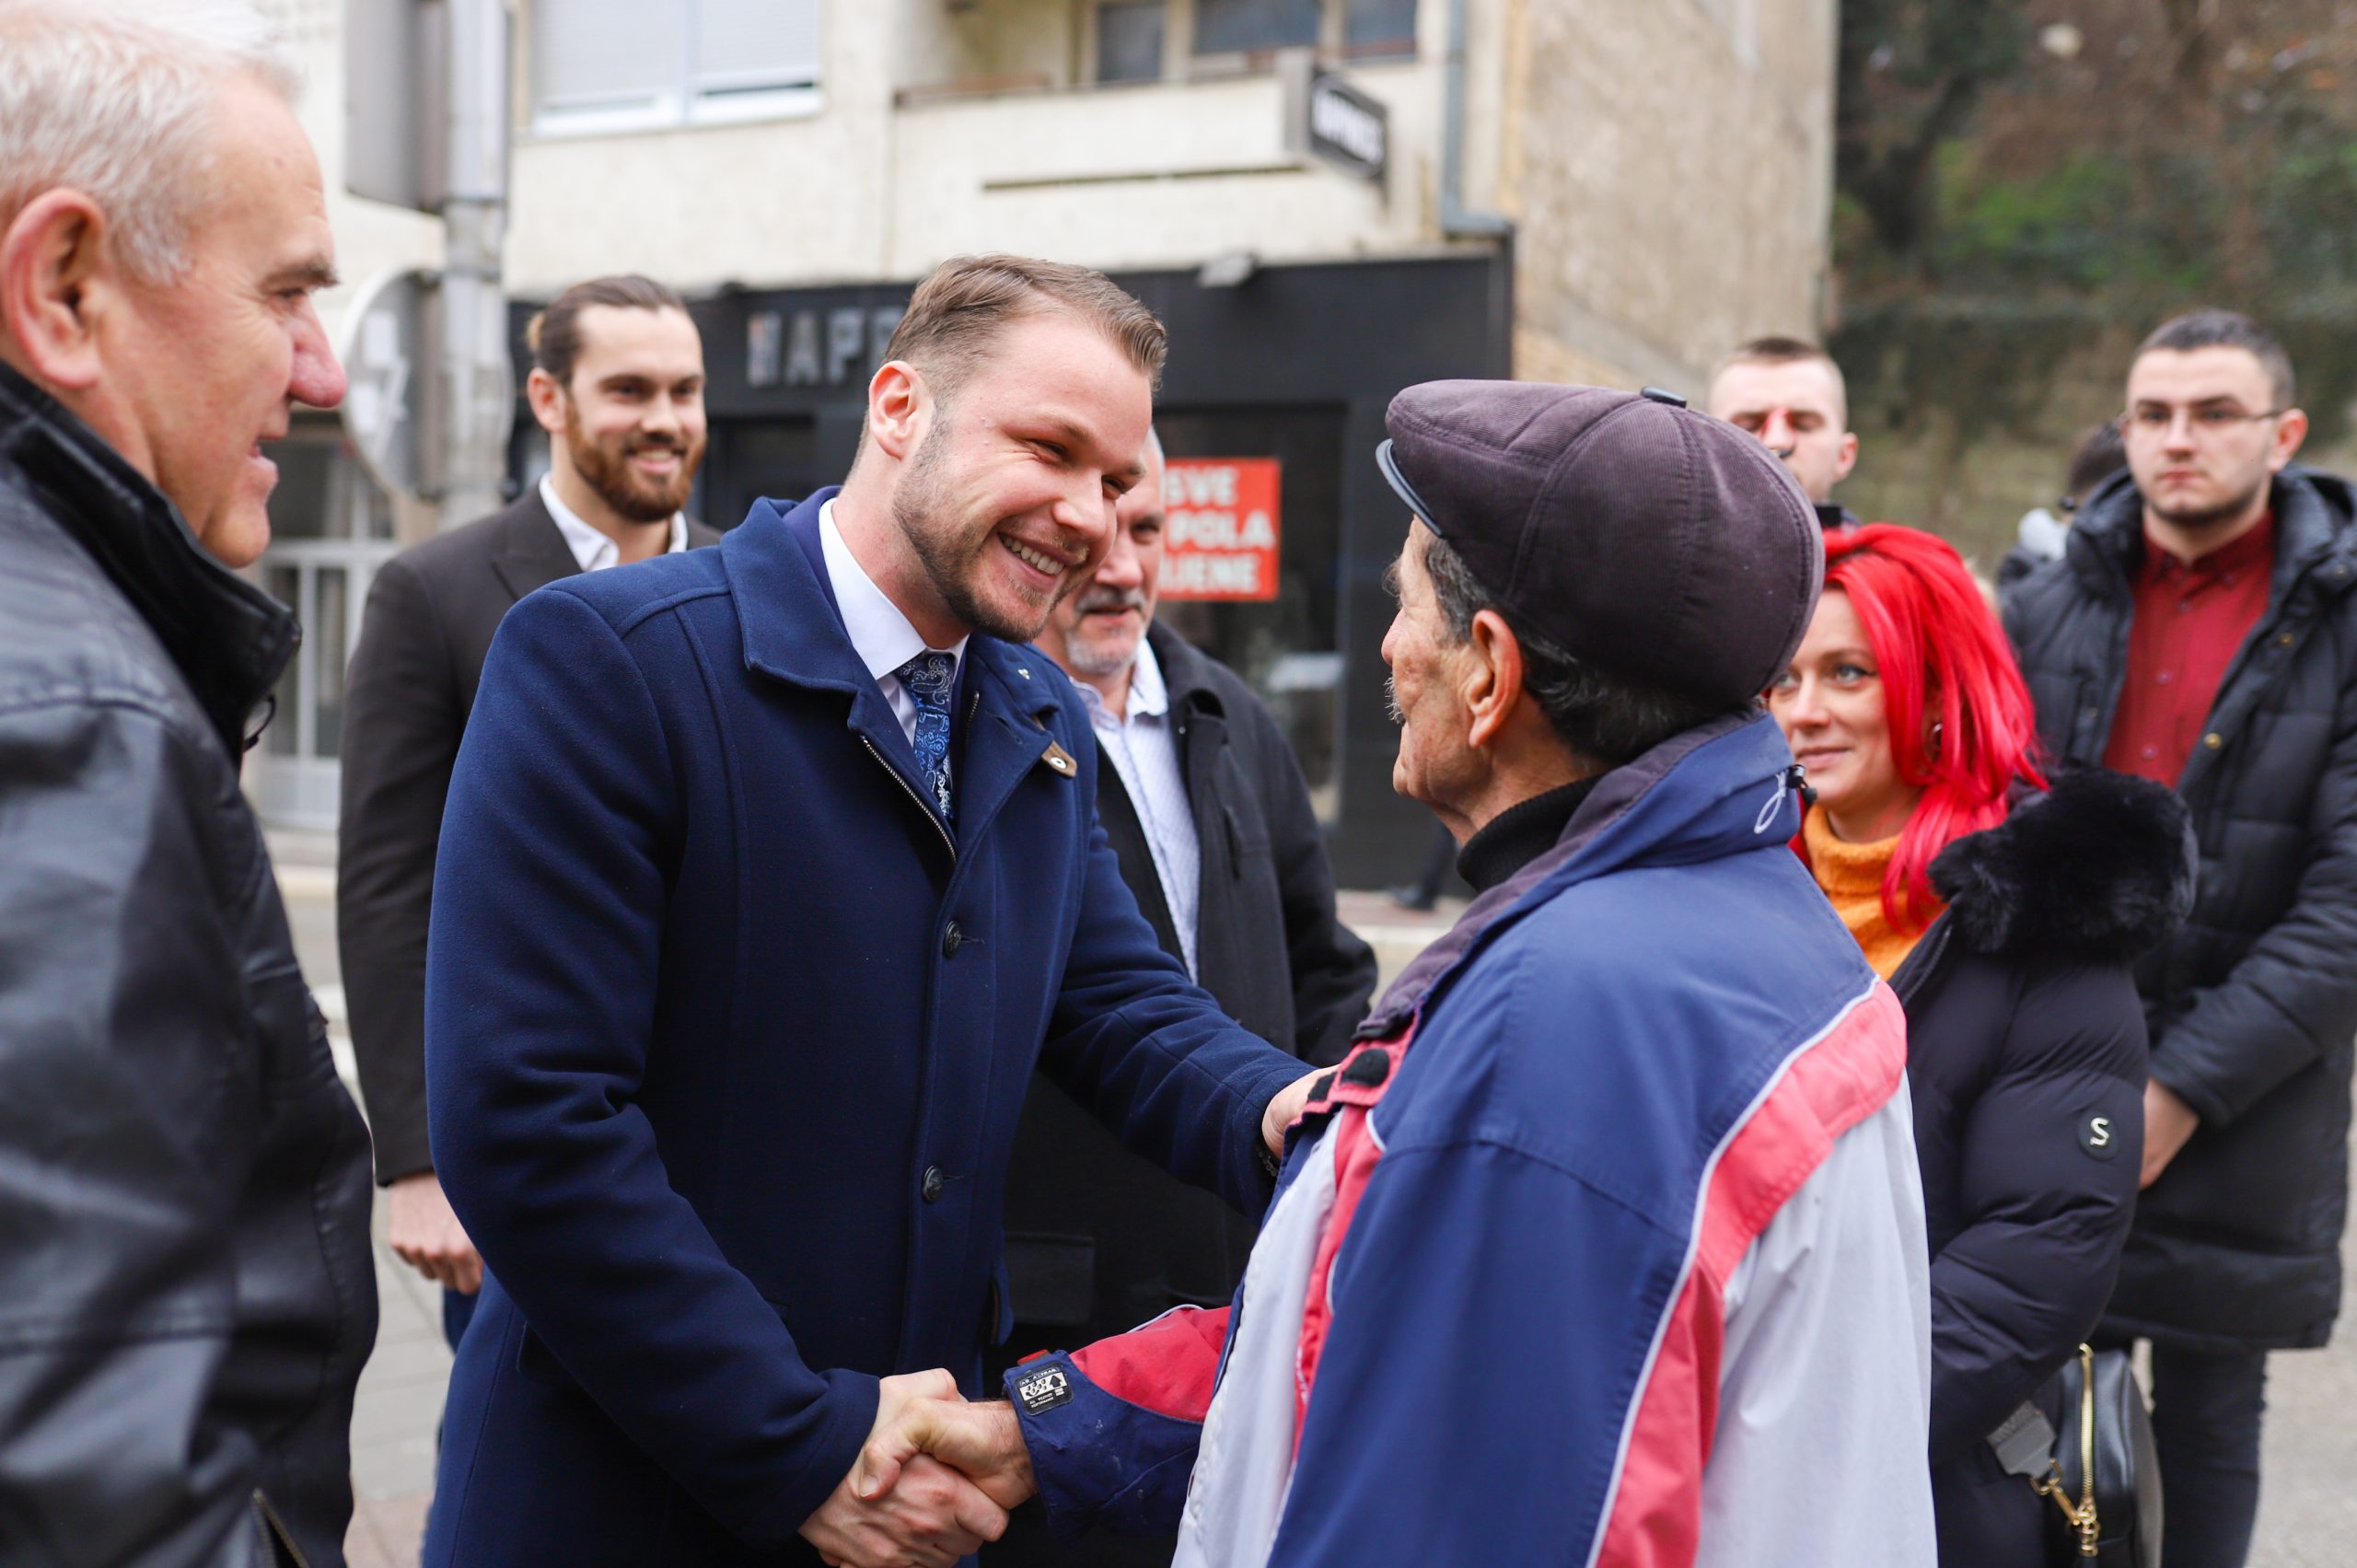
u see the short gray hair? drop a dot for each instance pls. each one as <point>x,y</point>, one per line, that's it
<point>109,97</point>
<point>1604,720</point>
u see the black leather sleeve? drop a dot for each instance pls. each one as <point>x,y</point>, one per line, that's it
<point>401,727</point>
<point>128,1072</point>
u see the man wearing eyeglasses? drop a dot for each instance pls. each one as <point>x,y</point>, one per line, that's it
<point>2200,630</point>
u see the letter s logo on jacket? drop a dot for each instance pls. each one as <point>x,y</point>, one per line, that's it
<point>2095,1136</point>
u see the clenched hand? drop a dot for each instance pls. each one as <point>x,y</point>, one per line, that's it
<point>930,1519</point>
<point>984,1441</point>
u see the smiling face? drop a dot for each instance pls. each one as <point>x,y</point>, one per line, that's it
<point>201,371</point>
<point>632,421</point>
<point>1007,504</point>
<point>1829,702</point>
<point>1797,410</point>
<point>2205,438</point>
<point>1093,633</point>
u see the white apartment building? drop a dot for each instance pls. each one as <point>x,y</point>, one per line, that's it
<point>1606,191</point>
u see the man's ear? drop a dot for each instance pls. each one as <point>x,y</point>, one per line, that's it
<point>547,400</point>
<point>2289,431</point>
<point>54,271</point>
<point>1492,687</point>
<point>899,402</point>
<point>1849,458</point>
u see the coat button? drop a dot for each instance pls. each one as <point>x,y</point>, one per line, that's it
<point>2214,741</point>
<point>951,940</point>
<point>930,1189</point>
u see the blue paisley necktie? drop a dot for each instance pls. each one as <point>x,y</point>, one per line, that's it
<point>929,677</point>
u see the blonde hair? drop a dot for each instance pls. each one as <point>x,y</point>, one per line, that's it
<point>968,300</point>
<point>109,97</point>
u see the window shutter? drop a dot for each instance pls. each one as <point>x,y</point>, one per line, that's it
<point>749,46</point>
<point>604,55</point>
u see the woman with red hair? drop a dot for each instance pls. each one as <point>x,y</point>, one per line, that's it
<point>2006,910</point>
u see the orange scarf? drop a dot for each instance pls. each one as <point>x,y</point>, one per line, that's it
<point>1851,877</point>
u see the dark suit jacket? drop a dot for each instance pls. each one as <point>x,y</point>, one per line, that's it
<point>408,690</point>
<point>727,1034</point>
<point>1100,1240</point>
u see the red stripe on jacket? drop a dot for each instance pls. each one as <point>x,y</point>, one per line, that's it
<point>1846,1076</point>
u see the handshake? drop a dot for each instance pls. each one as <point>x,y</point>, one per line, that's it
<point>934,1481</point>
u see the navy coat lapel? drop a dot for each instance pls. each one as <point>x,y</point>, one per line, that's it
<point>1006,732</point>
<point>793,631</point>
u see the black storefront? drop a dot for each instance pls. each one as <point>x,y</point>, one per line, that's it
<point>1296,363</point>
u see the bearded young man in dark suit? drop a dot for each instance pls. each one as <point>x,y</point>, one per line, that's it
<point>618,384</point>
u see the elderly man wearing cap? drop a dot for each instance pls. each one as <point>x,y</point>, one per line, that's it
<point>1605,1245</point>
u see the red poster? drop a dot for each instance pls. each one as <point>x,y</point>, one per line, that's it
<point>1219,528</point>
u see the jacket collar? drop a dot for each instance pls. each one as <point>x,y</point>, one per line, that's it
<point>228,639</point>
<point>2099,868</point>
<point>531,553</point>
<point>1716,790</point>
<point>2315,530</point>
<point>793,633</point>
<point>1186,673</point>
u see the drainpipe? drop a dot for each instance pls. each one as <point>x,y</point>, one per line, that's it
<point>1456,220</point>
<point>477,397</point>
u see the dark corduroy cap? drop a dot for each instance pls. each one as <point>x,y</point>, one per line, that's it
<point>1653,541</point>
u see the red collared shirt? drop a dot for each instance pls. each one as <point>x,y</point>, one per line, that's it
<point>2190,619</point>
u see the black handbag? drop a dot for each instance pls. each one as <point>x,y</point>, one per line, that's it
<point>2101,1469</point>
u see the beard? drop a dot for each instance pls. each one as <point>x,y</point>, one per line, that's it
<point>606,469</point>
<point>926,510</point>
<point>1107,653</point>
<point>2194,519</point>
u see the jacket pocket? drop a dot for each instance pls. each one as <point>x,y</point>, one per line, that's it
<point>537,1363</point>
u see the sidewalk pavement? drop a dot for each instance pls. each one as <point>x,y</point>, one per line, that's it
<point>2307,1514</point>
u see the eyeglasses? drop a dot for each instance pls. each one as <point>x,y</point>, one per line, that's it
<point>2155,420</point>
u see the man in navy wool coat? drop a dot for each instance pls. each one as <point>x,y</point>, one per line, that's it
<point>769,873</point>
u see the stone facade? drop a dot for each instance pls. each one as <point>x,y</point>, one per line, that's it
<point>1669,167</point>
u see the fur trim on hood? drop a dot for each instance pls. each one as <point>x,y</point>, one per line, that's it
<point>2101,867</point>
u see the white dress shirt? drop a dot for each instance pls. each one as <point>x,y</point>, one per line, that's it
<point>1143,751</point>
<point>880,634</point>
<point>592,547</point>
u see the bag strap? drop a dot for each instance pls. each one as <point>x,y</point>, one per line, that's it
<point>2025,1441</point>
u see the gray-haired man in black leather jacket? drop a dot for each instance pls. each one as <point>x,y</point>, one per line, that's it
<point>185,1289</point>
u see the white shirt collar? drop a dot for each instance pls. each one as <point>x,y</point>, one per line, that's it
<point>1149,695</point>
<point>880,634</point>
<point>592,548</point>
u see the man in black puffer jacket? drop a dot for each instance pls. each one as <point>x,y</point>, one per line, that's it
<point>2199,630</point>
<point>185,1286</point>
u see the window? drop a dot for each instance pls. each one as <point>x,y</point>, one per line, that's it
<point>1137,40</point>
<point>1129,40</point>
<point>1377,27</point>
<point>1237,27</point>
<point>602,65</point>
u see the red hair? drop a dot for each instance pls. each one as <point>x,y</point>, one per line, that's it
<point>1943,659</point>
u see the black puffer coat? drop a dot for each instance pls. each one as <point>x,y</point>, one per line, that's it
<point>2252,1004</point>
<point>2025,1062</point>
